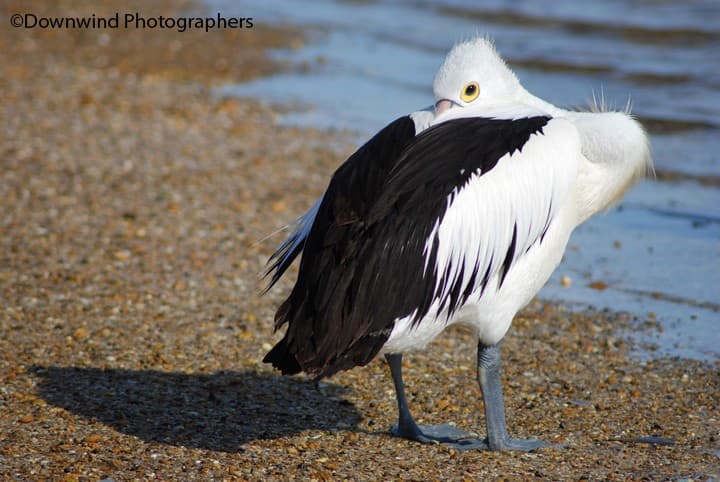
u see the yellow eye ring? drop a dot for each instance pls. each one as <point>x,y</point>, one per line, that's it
<point>470,92</point>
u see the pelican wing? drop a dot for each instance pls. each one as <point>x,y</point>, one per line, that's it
<point>424,228</point>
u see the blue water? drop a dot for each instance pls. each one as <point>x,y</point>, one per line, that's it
<point>368,62</point>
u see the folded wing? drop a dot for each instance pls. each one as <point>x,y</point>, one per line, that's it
<point>416,225</point>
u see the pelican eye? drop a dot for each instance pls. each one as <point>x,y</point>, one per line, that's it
<point>470,92</point>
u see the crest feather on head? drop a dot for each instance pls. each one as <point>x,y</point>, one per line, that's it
<point>474,59</point>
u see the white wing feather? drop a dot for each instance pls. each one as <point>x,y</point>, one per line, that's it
<point>300,233</point>
<point>524,191</point>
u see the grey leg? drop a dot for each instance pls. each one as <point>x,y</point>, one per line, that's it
<point>489,377</point>
<point>407,428</point>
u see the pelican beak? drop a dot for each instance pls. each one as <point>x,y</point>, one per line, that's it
<point>442,105</point>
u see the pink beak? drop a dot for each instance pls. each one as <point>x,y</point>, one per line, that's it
<point>442,105</point>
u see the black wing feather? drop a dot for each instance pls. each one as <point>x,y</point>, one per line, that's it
<point>333,242</point>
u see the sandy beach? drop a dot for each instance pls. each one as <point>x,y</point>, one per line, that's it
<point>134,206</point>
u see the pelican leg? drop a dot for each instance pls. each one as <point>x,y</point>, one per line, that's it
<point>488,359</point>
<point>407,428</point>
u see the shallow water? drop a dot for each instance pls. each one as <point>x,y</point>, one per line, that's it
<point>658,252</point>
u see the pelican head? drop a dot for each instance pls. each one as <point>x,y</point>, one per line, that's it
<point>474,74</point>
<point>475,81</point>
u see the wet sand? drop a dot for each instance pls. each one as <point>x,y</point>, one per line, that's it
<point>131,329</point>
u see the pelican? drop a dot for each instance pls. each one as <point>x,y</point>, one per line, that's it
<point>456,214</point>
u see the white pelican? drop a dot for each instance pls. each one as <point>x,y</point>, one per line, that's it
<point>454,216</point>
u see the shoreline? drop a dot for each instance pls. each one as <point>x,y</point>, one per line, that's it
<point>132,331</point>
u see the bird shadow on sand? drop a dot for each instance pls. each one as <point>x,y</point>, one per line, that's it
<point>218,411</point>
